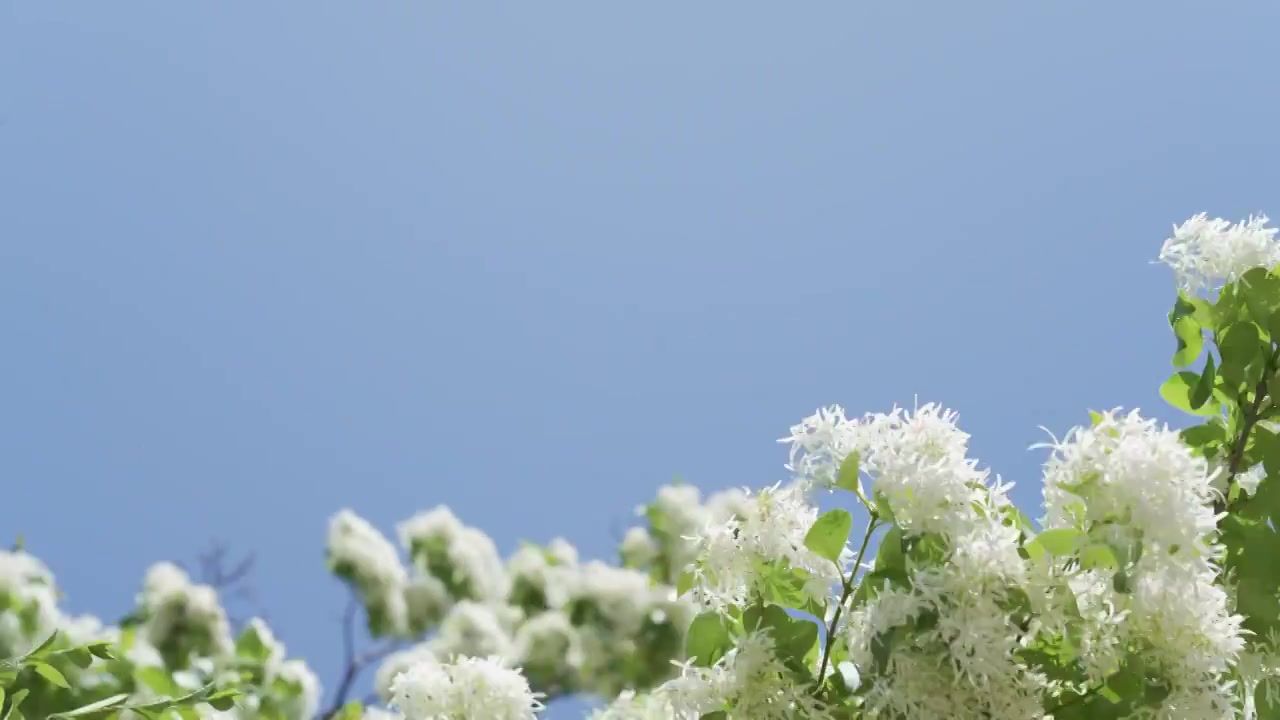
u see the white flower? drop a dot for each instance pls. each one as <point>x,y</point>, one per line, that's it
<point>426,600</point>
<point>468,689</point>
<point>475,630</point>
<point>307,703</point>
<point>638,549</point>
<point>961,662</point>
<point>562,551</point>
<point>275,649</point>
<point>463,558</point>
<point>772,529</point>
<point>1206,254</point>
<point>1133,484</point>
<point>359,552</point>
<point>1127,467</point>
<point>729,503</point>
<point>751,679</point>
<point>548,648</point>
<point>29,583</point>
<point>182,617</point>
<point>620,597</point>
<point>532,570</point>
<point>396,663</point>
<point>819,445</point>
<point>675,518</point>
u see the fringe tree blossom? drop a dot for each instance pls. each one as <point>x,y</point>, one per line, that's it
<point>957,633</point>
<point>532,570</point>
<point>1132,485</point>
<point>549,649</point>
<point>916,461</point>
<point>464,689</point>
<point>463,558</point>
<point>819,445</point>
<point>182,617</point>
<point>365,558</point>
<point>751,680</point>
<point>773,528</point>
<point>475,629</point>
<point>29,586</point>
<point>1205,254</point>
<point>638,549</point>
<point>399,662</point>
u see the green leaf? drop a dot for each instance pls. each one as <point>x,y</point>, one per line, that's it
<point>884,511</point>
<point>1098,556</point>
<point>351,711</point>
<point>890,555</point>
<point>1266,710</point>
<point>43,648</point>
<point>1190,341</point>
<point>1203,389</point>
<point>101,650</point>
<point>847,475</point>
<point>80,656</point>
<point>250,646</point>
<point>1061,541</point>
<point>222,702</point>
<point>1199,309</point>
<point>1261,292</point>
<point>91,708</point>
<point>1206,435</point>
<point>15,702</point>
<point>1177,392</point>
<point>717,715</point>
<point>684,582</point>
<point>829,534</point>
<point>708,639</point>
<point>1243,360</point>
<point>1272,324</point>
<point>50,673</point>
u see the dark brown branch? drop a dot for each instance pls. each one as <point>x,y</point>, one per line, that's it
<point>355,663</point>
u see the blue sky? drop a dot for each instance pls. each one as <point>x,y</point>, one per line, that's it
<point>261,261</point>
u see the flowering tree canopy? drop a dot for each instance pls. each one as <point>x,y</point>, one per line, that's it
<point>1148,587</point>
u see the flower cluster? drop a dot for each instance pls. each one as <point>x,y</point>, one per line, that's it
<point>177,641</point>
<point>464,689</point>
<point>29,602</point>
<point>770,532</point>
<point>676,518</point>
<point>461,557</point>
<point>949,576</point>
<point>364,557</point>
<point>1135,489</point>
<point>751,680</point>
<point>1206,253</point>
<point>181,618</point>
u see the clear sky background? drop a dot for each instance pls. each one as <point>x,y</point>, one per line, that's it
<point>263,260</point>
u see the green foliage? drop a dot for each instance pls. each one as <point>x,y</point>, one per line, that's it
<point>708,639</point>
<point>35,686</point>
<point>847,475</point>
<point>829,534</point>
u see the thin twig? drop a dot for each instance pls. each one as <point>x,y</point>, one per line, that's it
<point>844,597</point>
<point>355,663</point>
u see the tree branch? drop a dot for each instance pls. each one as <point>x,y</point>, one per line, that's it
<point>844,597</point>
<point>355,663</point>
